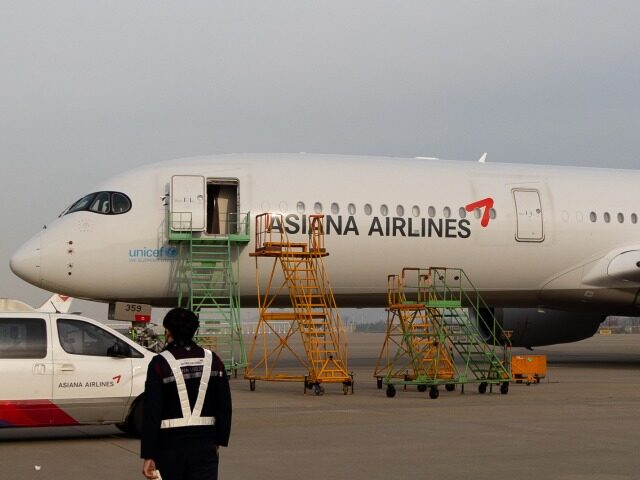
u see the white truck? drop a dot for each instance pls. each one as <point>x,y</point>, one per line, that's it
<point>58,368</point>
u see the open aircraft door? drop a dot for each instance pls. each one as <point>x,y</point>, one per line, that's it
<point>530,227</point>
<point>188,203</point>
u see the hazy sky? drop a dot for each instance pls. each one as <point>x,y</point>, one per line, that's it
<point>88,89</point>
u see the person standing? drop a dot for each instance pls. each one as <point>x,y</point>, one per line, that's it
<point>187,405</point>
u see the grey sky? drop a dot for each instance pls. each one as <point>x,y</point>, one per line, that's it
<point>88,89</point>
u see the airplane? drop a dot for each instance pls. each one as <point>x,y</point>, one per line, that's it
<point>552,249</point>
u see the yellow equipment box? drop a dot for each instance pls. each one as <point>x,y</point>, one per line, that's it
<point>528,368</point>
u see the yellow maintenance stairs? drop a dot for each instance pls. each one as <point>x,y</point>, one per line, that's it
<point>413,350</point>
<point>295,292</point>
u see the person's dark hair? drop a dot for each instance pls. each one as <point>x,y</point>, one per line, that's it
<point>182,324</point>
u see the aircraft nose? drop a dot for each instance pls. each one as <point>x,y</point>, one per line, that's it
<point>25,263</point>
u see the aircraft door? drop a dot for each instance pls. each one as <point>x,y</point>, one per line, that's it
<point>530,227</point>
<point>188,203</point>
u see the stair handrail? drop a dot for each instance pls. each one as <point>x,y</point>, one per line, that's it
<point>460,291</point>
<point>316,233</point>
<point>269,230</point>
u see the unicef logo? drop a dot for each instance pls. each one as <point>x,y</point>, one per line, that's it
<point>164,253</point>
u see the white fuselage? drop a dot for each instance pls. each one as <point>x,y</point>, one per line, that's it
<point>547,241</point>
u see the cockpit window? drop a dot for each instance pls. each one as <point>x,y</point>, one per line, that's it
<point>101,203</point>
<point>105,203</point>
<point>120,203</point>
<point>82,204</point>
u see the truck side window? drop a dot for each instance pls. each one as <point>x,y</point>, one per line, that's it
<point>23,338</point>
<point>82,338</point>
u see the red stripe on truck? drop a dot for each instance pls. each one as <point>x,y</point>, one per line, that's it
<point>32,413</point>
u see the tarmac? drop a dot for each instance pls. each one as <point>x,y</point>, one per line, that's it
<point>582,422</point>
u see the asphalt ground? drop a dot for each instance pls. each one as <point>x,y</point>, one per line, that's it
<point>582,422</point>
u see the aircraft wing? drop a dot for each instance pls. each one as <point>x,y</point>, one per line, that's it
<point>620,265</point>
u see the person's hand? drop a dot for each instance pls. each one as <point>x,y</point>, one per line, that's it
<point>149,468</point>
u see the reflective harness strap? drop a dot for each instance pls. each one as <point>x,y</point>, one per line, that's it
<point>189,418</point>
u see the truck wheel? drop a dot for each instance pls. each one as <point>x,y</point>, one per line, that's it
<point>124,427</point>
<point>135,420</point>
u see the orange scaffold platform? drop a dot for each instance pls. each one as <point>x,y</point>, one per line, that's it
<point>294,291</point>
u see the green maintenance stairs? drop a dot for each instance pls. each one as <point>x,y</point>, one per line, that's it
<point>462,316</point>
<point>208,285</point>
<point>452,328</point>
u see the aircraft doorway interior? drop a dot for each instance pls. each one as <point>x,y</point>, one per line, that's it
<point>222,206</point>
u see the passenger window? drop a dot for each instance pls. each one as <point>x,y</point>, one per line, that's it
<point>335,208</point>
<point>23,338</point>
<point>634,218</point>
<point>300,207</point>
<point>446,212</point>
<point>351,209</point>
<point>607,217</point>
<point>384,210</point>
<point>368,209</point>
<point>462,212</point>
<point>82,338</point>
<point>593,217</point>
<point>400,210</point>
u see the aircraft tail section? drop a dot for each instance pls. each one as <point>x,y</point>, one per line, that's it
<point>56,304</point>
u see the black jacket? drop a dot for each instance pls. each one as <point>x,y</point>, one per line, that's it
<point>161,402</point>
